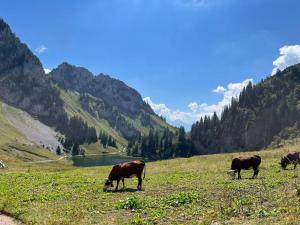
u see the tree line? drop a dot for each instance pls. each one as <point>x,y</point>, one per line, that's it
<point>161,145</point>
<point>107,140</point>
<point>253,120</point>
<point>77,132</point>
<point>261,114</point>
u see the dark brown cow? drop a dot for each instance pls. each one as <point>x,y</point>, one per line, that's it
<point>290,158</point>
<point>126,170</point>
<point>245,163</point>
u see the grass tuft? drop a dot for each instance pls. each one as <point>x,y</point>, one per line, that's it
<point>130,203</point>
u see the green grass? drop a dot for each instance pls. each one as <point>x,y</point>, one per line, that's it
<point>97,148</point>
<point>7,131</point>
<point>16,152</point>
<point>73,108</point>
<point>179,191</point>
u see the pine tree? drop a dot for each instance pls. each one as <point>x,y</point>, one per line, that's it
<point>182,149</point>
<point>75,149</point>
<point>58,150</point>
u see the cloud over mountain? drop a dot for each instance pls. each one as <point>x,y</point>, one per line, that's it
<point>41,49</point>
<point>289,55</point>
<point>195,110</point>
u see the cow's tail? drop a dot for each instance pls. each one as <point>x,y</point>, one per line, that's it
<point>257,156</point>
<point>144,171</point>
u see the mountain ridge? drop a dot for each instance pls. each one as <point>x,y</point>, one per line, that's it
<point>69,91</point>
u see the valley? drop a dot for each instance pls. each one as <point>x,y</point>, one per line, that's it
<point>62,130</point>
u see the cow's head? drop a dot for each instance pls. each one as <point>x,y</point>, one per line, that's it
<point>108,183</point>
<point>284,162</point>
<point>231,173</point>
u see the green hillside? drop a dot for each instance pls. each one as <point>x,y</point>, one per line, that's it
<point>8,133</point>
<point>73,108</point>
<point>253,121</point>
<point>16,151</point>
<point>195,190</point>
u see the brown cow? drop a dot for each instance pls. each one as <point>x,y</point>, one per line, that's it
<point>290,158</point>
<point>126,170</point>
<point>244,162</point>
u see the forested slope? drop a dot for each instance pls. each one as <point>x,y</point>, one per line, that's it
<point>261,112</point>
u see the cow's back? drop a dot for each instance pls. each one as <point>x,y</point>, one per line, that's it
<point>244,162</point>
<point>127,170</point>
<point>293,156</point>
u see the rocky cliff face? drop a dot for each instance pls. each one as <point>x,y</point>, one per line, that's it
<point>23,84</point>
<point>22,80</point>
<point>103,97</point>
<point>113,92</point>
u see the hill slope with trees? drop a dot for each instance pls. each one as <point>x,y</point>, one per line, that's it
<point>262,115</point>
<point>253,120</point>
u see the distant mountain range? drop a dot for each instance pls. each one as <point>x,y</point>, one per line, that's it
<point>81,106</point>
<point>101,102</point>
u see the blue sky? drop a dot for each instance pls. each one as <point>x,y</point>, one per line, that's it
<point>188,57</point>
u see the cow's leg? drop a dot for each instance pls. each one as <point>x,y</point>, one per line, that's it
<point>295,164</point>
<point>118,181</point>
<point>139,187</point>
<point>256,170</point>
<point>123,183</point>
<point>239,174</point>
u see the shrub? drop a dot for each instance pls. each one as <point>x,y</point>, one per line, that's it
<point>181,198</point>
<point>138,220</point>
<point>130,203</point>
<point>267,212</point>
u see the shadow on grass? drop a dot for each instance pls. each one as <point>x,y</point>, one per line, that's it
<point>247,178</point>
<point>124,190</point>
<point>290,168</point>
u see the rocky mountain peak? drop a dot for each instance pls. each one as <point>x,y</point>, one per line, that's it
<point>3,25</point>
<point>112,91</point>
<point>71,77</point>
<point>23,84</point>
<point>15,57</point>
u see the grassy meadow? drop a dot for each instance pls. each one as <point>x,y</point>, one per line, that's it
<point>193,190</point>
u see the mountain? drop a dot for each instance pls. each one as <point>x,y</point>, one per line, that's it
<point>262,114</point>
<point>112,91</point>
<point>107,98</point>
<point>22,80</point>
<point>71,100</point>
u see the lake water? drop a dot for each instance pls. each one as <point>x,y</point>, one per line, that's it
<point>100,160</point>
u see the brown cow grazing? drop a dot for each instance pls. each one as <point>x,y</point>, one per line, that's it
<point>245,163</point>
<point>290,158</point>
<point>126,170</point>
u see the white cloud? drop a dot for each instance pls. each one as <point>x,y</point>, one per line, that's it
<point>289,55</point>
<point>160,109</point>
<point>219,89</point>
<point>47,70</point>
<point>196,110</point>
<point>41,49</point>
<point>193,106</point>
